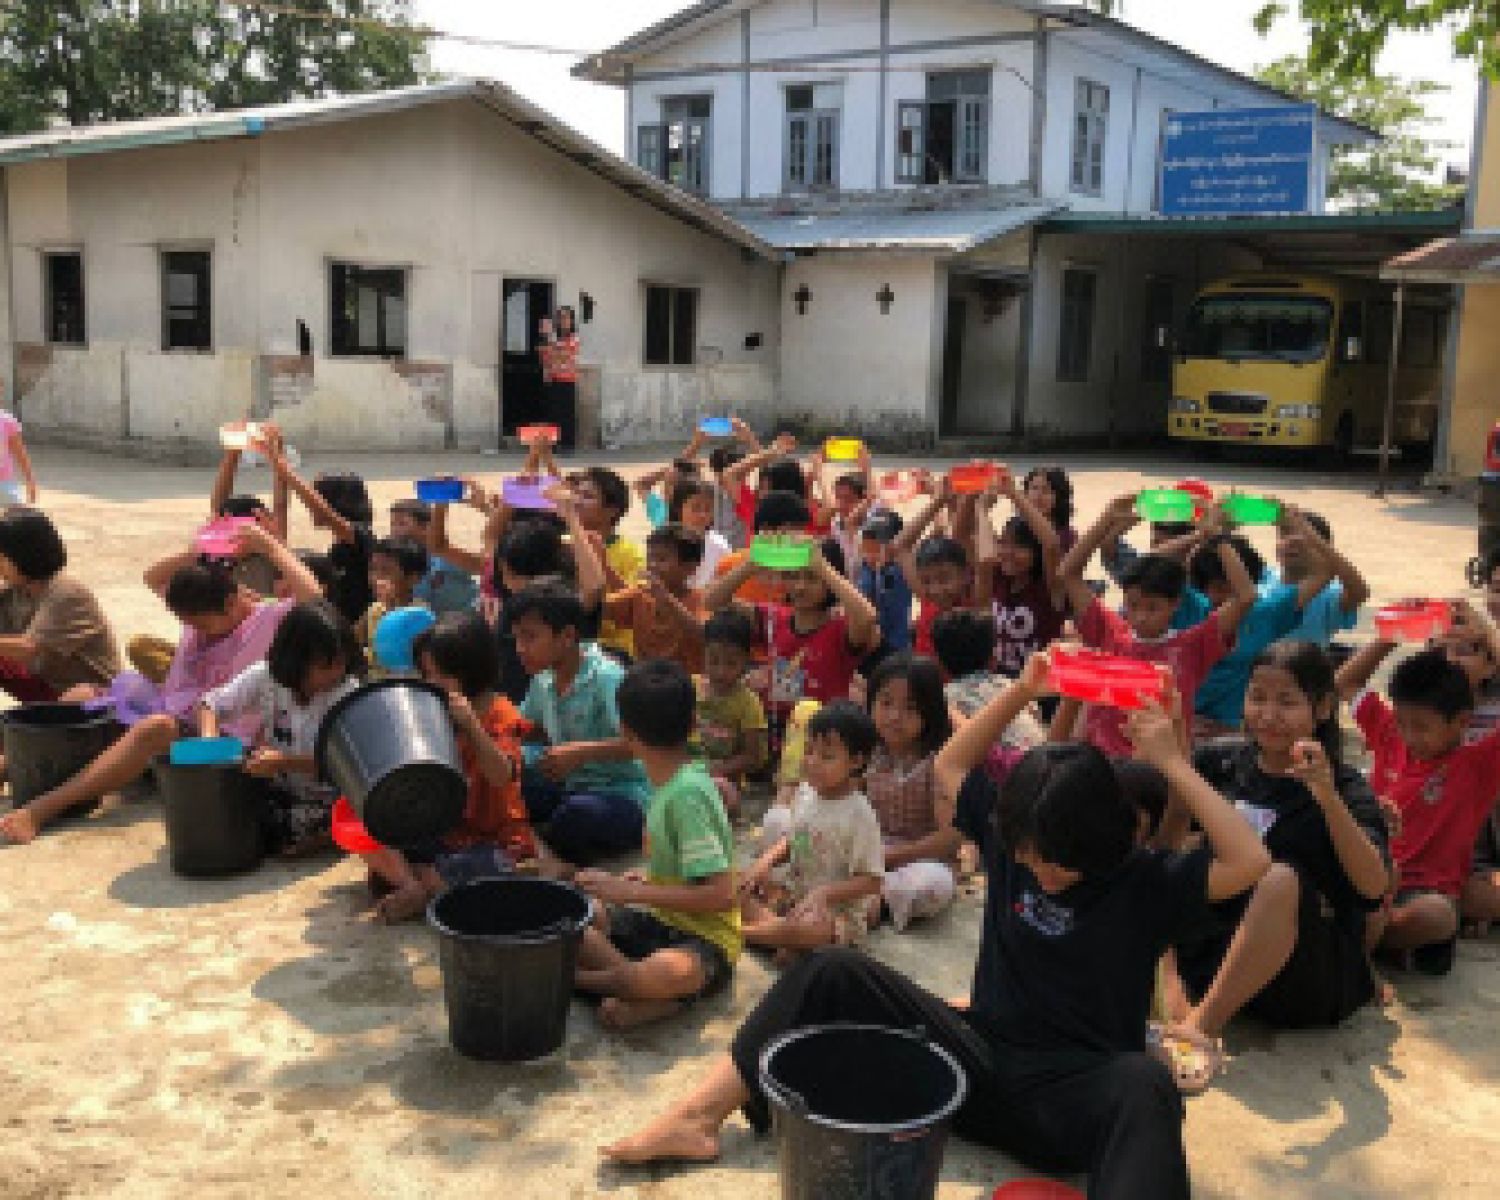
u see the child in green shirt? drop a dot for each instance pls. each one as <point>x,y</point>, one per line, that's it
<point>679,937</point>
<point>731,731</point>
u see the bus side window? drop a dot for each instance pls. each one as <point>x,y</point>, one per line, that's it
<point>1352,332</point>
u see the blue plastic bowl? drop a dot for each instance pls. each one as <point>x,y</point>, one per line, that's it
<point>716,427</point>
<point>394,634</point>
<point>440,491</point>
<point>207,752</point>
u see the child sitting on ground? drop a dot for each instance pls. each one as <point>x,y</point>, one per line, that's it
<point>882,582</point>
<point>731,719</point>
<point>602,500</point>
<point>341,505</point>
<point>1153,589</point>
<point>585,791</point>
<point>1442,789</point>
<point>446,587</point>
<point>692,505</point>
<point>938,569</point>
<point>663,613</point>
<point>459,655</point>
<point>681,944</point>
<point>1473,645</point>
<point>831,850</point>
<point>311,665</point>
<point>397,566</point>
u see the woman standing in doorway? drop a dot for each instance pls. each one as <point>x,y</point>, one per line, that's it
<point>559,353</point>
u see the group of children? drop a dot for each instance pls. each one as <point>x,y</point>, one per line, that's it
<point>891,698</point>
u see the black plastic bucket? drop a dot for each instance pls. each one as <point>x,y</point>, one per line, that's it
<point>861,1111</point>
<point>48,744</point>
<point>508,948</point>
<point>390,749</point>
<point>215,819</point>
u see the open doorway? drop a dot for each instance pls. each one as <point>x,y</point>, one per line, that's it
<point>523,401</point>
<point>953,366</point>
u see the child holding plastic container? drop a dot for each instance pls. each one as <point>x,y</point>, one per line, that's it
<point>938,567</point>
<point>881,581</point>
<point>671,938</point>
<point>446,587</point>
<point>664,613</point>
<point>818,884</point>
<point>460,655</point>
<point>1153,588</point>
<point>1026,593</point>
<point>692,506</point>
<point>313,662</point>
<point>1442,788</point>
<point>397,566</point>
<point>603,499</point>
<point>731,727</point>
<point>341,505</point>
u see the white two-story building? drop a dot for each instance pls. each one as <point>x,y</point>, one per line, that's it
<point>918,163</point>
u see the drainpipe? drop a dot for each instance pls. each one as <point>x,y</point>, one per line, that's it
<point>883,94</point>
<point>1038,105</point>
<point>745,107</point>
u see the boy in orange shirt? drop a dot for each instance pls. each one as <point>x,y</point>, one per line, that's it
<point>664,613</point>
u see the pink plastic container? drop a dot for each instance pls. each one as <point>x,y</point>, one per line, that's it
<point>1413,620</point>
<point>1098,678</point>
<point>520,492</point>
<point>220,538</point>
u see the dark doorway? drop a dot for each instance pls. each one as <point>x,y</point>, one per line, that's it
<point>523,304</point>
<point>953,366</point>
<point>1156,346</point>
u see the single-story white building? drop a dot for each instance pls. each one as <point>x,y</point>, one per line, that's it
<point>368,271</point>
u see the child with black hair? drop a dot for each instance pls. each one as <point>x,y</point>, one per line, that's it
<point>1049,490</point>
<point>731,726</point>
<point>1441,789</point>
<point>818,884</point>
<point>1170,539</point>
<point>663,614</point>
<point>397,566</point>
<point>1292,950</point>
<point>776,513</point>
<point>313,663</point>
<point>692,506</point>
<point>339,503</point>
<point>1276,613</point>
<point>1021,564</point>
<point>585,792</point>
<point>680,936</point>
<point>882,582</point>
<point>602,498</point>
<point>1052,1038</point>
<point>938,568</point>
<point>1304,544</point>
<point>1153,589</point>
<point>446,587</point>
<point>459,655</point>
<point>1473,644</point>
<point>850,505</point>
<point>964,644</point>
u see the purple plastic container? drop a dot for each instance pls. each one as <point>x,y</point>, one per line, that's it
<point>528,493</point>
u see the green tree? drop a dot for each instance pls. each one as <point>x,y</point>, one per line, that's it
<point>1399,172</point>
<point>76,62</point>
<point>1346,36</point>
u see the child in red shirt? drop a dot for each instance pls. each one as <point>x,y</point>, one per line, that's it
<point>938,569</point>
<point>460,655</point>
<point>1153,586</point>
<point>1440,790</point>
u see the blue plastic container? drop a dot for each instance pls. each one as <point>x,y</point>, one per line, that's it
<point>395,633</point>
<point>716,427</point>
<point>444,490</point>
<point>207,752</point>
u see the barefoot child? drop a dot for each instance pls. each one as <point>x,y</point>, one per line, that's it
<point>1443,789</point>
<point>831,848</point>
<point>310,667</point>
<point>731,719</point>
<point>680,937</point>
<point>459,654</point>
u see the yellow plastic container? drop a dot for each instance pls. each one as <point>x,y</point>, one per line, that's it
<point>843,449</point>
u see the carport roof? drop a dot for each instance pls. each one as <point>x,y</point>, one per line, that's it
<point>536,123</point>
<point>1473,257</point>
<point>949,231</point>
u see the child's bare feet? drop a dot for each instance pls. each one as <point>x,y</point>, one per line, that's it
<point>403,904</point>
<point>19,826</point>
<point>618,1014</point>
<point>672,1137</point>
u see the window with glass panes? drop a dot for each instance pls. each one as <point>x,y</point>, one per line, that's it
<point>671,326</point>
<point>1090,127</point>
<point>676,148</point>
<point>369,310</point>
<point>186,300</point>
<point>812,136</point>
<point>945,138</point>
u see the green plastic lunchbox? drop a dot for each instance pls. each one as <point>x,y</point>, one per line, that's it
<point>1252,510</point>
<point>776,552</point>
<point>1163,506</point>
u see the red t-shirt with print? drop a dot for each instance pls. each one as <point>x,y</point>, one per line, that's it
<point>805,666</point>
<point>1190,653</point>
<point>1443,801</point>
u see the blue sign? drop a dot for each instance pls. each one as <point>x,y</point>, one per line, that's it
<point>1239,160</point>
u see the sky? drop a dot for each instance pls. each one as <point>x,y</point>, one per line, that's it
<point>1220,30</point>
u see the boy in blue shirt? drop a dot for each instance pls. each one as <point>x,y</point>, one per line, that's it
<point>585,792</point>
<point>1304,541</point>
<point>445,587</point>
<point>881,581</point>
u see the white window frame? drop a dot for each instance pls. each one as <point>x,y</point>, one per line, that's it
<point>653,143</point>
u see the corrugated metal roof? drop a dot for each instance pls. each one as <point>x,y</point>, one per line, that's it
<point>949,231</point>
<point>1471,258</point>
<point>122,136</point>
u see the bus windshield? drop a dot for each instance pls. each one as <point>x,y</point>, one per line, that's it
<point>1281,328</point>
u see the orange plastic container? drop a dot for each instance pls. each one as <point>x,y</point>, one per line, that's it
<point>531,435</point>
<point>1413,620</point>
<point>1036,1189</point>
<point>1098,678</point>
<point>969,479</point>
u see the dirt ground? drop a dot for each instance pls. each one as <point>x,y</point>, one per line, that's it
<point>260,1037</point>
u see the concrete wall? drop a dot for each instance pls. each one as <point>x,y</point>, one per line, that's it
<point>847,368</point>
<point>451,193</point>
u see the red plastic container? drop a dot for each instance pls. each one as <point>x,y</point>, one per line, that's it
<point>969,479</point>
<point>1413,620</point>
<point>1200,491</point>
<point>1036,1189</point>
<point>531,435</point>
<point>349,832</point>
<point>1098,678</point>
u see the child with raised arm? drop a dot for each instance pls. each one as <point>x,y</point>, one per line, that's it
<point>447,587</point>
<point>938,568</point>
<point>340,504</point>
<point>830,859</point>
<point>1026,592</point>
<point>1052,1037</point>
<point>1153,588</point>
<point>1442,789</point>
<point>673,936</point>
<point>663,613</point>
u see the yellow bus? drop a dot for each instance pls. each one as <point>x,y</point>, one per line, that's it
<point>1302,362</point>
